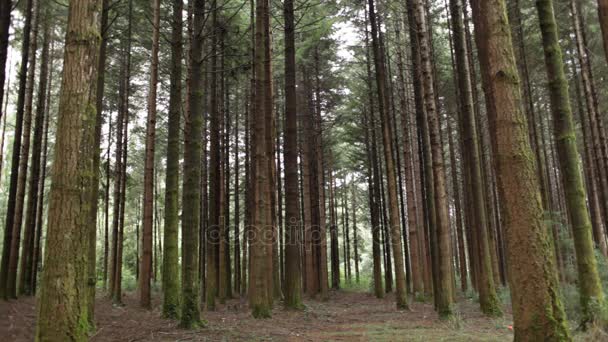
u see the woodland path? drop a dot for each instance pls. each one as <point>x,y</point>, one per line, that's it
<point>347,316</point>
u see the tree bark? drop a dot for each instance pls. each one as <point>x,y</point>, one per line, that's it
<point>538,312</point>
<point>148,195</point>
<point>387,134</point>
<point>487,292</point>
<point>171,225</point>
<point>569,161</point>
<point>293,273</point>
<point>62,314</point>
<point>26,265</point>
<point>16,151</point>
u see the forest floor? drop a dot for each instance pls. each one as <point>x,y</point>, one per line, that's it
<point>346,316</point>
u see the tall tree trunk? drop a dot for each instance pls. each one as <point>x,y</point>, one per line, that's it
<point>16,150</point>
<point>40,206</point>
<point>65,268</point>
<point>11,285</point>
<point>148,196</point>
<point>293,272</point>
<point>597,123</point>
<point>260,276</point>
<point>373,182</point>
<point>237,210</point>
<point>191,199</point>
<point>213,231</point>
<point>569,161</point>
<point>443,290</point>
<point>5,22</point>
<point>538,312</point>
<point>487,292</point>
<point>171,254</point>
<point>355,235</point>
<point>387,134</point>
<point>26,266</point>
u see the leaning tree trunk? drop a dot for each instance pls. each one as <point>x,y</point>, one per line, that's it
<point>538,312</point>
<point>65,269</point>
<point>569,162</point>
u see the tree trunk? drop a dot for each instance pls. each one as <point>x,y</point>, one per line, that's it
<point>260,276</point>
<point>26,266</point>
<point>487,292</point>
<point>11,285</point>
<point>191,199</point>
<point>148,196</point>
<point>5,22</point>
<point>443,290</point>
<point>40,206</point>
<point>569,161</point>
<point>171,254</point>
<point>65,268</point>
<point>293,273</point>
<point>16,150</point>
<point>387,134</point>
<point>538,313</point>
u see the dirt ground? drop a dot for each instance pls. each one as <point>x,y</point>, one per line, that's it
<point>346,316</point>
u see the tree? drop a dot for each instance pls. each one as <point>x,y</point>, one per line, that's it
<point>395,230</point>
<point>293,273</point>
<point>5,22</point>
<point>16,154</point>
<point>260,275</point>
<point>443,289</point>
<point>26,280</point>
<point>569,162</point>
<point>62,314</point>
<point>190,314</point>
<point>487,292</point>
<point>148,196</point>
<point>538,313</point>
<point>171,253</point>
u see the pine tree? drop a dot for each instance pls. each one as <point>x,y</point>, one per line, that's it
<point>569,163</point>
<point>293,273</point>
<point>62,313</point>
<point>148,195</point>
<point>538,313</point>
<point>171,226</point>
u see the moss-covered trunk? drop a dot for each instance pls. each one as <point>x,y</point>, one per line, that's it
<point>191,199</point>
<point>171,254</point>
<point>537,308</point>
<point>591,293</point>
